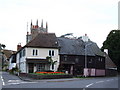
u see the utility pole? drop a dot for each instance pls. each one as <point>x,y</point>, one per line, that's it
<point>85,69</point>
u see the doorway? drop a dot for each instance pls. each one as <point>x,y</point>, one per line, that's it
<point>31,67</point>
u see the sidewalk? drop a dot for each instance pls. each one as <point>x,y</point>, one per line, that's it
<point>48,80</point>
<point>56,80</point>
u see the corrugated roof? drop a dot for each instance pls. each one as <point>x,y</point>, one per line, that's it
<point>44,40</point>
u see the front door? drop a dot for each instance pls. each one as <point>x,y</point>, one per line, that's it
<point>31,67</point>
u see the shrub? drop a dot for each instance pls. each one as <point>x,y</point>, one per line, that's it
<point>49,73</point>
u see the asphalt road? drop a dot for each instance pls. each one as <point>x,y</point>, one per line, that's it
<point>12,81</point>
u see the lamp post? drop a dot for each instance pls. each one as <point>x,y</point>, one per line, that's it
<point>85,72</point>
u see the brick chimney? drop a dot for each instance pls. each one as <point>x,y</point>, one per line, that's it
<point>19,46</point>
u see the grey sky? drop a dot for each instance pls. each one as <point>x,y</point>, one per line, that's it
<point>94,17</point>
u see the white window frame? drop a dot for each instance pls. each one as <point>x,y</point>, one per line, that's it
<point>34,52</point>
<point>51,53</point>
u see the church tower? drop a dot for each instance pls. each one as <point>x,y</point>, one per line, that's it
<point>35,30</point>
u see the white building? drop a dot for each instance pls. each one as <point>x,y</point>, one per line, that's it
<point>33,56</point>
<point>12,61</point>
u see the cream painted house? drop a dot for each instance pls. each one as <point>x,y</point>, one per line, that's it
<point>33,56</point>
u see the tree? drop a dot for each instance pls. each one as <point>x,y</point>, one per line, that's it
<point>51,61</point>
<point>2,46</point>
<point>112,43</point>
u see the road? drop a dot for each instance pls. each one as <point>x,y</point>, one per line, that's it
<point>0,80</point>
<point>12,81</point>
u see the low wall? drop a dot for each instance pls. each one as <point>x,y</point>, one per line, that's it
<point>34,76</point>
<point>100,72</point>
<point>111,72</point>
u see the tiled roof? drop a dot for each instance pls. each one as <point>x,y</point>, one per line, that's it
<point>44,40</point>
<point>93,49</point>
<point>108,62</point>
<point>71,46</point>
<point>8,53</point>
<point>77,47</point>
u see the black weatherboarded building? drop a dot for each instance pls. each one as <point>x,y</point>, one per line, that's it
<point>81,58</point>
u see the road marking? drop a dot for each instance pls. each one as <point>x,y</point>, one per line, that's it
<point>107,80</point>
<point>89,84</point>
<point>111,79</point>
<point>99,81</point>
<point>28,82</point>
<point>14,80</point>
<point>3,83</point>
<point>18,83</point>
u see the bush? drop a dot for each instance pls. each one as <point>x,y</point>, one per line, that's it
<point>49,73</point>
<point>14,71</point>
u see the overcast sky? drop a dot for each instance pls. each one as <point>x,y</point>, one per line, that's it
<point>96,18</point>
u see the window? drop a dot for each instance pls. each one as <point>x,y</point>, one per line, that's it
<point>65,57</point>
<point>20,55</point>
<point>40,67</point>
<point>35,52</point>
<point>24,52</point>
<point>76,60</point>
<point>90,61</point>
<point>101,59</point>
<point>98,59</point>
<point>51,53</point>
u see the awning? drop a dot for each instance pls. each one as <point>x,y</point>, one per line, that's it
<point>37,61</point>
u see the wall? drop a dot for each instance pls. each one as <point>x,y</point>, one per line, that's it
<point>11,65</point>
<point>42,54</point>
<point>21,61</point>
<point>100,72</point>
<point>111,72</point>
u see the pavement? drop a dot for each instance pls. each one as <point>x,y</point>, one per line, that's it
<point>48,80</point>
<point>12,81</point>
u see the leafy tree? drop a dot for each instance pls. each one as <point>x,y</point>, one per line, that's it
<point>51,61</point>
<point>2,46</point>
<point>112,43</point>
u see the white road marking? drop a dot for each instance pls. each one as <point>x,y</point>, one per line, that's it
<point>89,84</point>
<point>111,79</point>
<point>3,83</point>
<point>14,80</point>
<point>28,82</point>
<point>107,80</point>
<point>99,81</point>
<point>17,82</point>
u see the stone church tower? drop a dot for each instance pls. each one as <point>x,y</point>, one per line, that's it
<point>35,30</point>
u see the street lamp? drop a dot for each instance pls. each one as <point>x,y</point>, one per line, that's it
<point>85,69</point>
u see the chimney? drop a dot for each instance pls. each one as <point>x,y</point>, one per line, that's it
<point>19,46</point>
<point>106,51</point>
